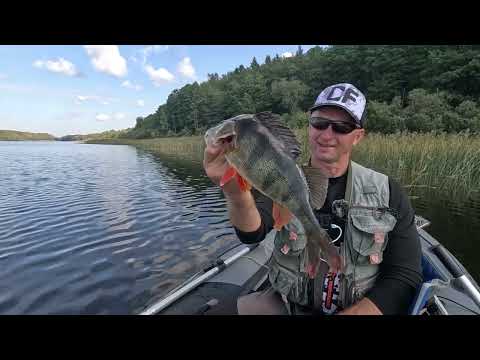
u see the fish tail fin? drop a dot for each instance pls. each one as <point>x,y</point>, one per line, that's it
<point>317,184</point>
<point>318,248</point>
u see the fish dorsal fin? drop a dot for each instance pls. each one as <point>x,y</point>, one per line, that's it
<point>318,185</point>
<point>282,132</point>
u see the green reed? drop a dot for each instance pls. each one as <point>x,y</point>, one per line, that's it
<point>439,162</point>
<point>443,162</point>
<point>189,145</point>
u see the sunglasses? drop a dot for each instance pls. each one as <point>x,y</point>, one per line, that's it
<point>339,127</point>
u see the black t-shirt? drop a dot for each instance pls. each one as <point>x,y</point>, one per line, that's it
<point>400,271</point>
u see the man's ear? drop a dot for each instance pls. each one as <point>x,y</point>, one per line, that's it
<point>359,134</point>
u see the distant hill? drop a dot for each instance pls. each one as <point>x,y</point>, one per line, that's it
<point>20,135</point>
<point>110,134</point>
<point>74,137</point>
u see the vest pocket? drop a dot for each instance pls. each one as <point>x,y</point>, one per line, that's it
<point>361,287</point>
<point>291,240</point>
<point>369,235</point>
<point>286,282</point>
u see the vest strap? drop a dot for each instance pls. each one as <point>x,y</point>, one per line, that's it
<point>349,187</point>
<point>318,282</point>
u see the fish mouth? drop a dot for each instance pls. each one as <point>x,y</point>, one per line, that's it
<point>223,133</point>
<point>226,139</point>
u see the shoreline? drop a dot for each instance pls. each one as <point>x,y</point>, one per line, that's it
<point>448,163</point>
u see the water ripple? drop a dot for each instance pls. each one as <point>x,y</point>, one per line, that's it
<point>90,229</point>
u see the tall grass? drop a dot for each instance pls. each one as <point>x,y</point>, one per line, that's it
<point>450,163</point>
<point>191,146</point>
<point>444,162</point>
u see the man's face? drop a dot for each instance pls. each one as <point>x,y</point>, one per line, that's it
<point>327,145</point>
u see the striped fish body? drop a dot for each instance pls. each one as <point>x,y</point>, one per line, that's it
<point>264,155</point>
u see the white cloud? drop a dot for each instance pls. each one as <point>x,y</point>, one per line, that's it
<point>140,103</point>
<point>154,49</point>
<point>147,51</point>
<point>79,99</point>
<point>186,68</point>
<point>60,66</point>
<point>107,59</point>
<point>287,54</point>
<point>106,117</point>
<point>86,97</point>
<point>102,117</point>
<point>129,85</point>
<point>160,76</point>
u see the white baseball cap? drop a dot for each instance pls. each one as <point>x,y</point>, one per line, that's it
<point>346,96</point>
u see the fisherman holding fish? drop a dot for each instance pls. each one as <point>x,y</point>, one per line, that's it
<point>344,236</point>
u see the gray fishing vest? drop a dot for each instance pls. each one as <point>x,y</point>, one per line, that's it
<point>368,221</point>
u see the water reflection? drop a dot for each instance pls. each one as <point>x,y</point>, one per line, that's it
<point>101,229</point>
<point>455,222</point>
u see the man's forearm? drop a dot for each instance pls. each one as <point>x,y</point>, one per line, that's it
<point>242,210</point>
<point>363,307</point>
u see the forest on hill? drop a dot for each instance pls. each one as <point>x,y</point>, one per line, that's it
<point>408,88</point>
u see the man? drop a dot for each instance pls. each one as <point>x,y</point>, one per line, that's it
<point>365,212</point>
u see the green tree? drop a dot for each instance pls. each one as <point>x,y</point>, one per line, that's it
<point>289,94</point>
<point>425,111</point>
<point>418,88</point>
<point>254,65</point>
<point>385,118</point>
<point>299,51</point>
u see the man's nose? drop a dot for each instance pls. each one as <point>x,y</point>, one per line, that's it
<point>328,132</point>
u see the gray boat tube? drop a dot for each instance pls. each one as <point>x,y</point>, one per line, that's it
<point>457,272</point>
<point>174,296</point>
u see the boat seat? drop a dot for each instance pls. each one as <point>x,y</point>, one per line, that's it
<point>424,291</point>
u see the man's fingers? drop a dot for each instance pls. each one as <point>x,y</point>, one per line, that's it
<point>212,152</point>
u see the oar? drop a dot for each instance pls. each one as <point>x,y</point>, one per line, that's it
<point>169,299</point>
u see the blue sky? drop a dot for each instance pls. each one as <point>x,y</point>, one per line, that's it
<point>76,89</point>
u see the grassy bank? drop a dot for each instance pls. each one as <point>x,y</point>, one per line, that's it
<point>12,135</point>
<point>448,163</point>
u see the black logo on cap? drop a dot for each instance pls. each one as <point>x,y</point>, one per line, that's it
<point>346,94</point>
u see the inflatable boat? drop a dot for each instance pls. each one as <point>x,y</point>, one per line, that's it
<point>447,288</point>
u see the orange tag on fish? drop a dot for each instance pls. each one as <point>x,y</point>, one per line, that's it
<point>285,249</point>
<point>293,236</point>
<point>244,185</point>
<point>374,259</point>
<point>228,175</point>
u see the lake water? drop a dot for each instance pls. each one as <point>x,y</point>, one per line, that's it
<point>108,229</point>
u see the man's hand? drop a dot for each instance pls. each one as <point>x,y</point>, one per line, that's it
<point>363,307</point>
<point>215,165</point>
<point>242,210</point>
<point>214,161</point>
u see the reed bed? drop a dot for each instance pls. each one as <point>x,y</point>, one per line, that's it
<point>444,162</point>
